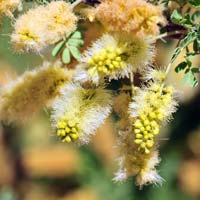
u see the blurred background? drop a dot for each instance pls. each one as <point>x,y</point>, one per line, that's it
<point>34,165</point>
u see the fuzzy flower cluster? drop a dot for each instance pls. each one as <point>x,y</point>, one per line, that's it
<point>8,6</point>
<point>132,16</point>
<point>116,56</point>
<point>79,112</point>
<point>151,106</point>
<point>30,92</point>
<point>134,163</point>
<point>42,26</point>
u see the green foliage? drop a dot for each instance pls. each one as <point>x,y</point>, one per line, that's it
<point>195,3</point>
<point>189,71</point>
<point>190,37</point>
<point>69,46</point>
<point>188,22</point>
<point>185,21</point>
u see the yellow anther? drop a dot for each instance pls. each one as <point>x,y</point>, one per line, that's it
<point>143,117</point>
<point>146,137</point>
<point>108,62</point>
<point>100,69</point>
<point>143,145</point>
<point>139,136</point>
<point>152,115</point>
<point>148,128</point>
<point>138,141</point>
<point>142,128</point>
<point>100,63</point>
<point>74,130</point>
<point>160,116</point>
<point>118,59</point>
<point>154,123</point>
<point>59,132</point>
<point>147,151</point>
<point>67,139</point>
<point>146,122</point>
<point>71,123</point>
<point>150,143</point>
<point>137,123</point>
<point>105,70</point>
<point>111,66</point>
<point>67,130</point>
<point>156,131</point>
<point>137,131</point>
<point>151,136</point>
<point>96,58</point>
<point>145,132</point>
<point>91,62</point>
<point>116,64</point>
<point>74,136</point>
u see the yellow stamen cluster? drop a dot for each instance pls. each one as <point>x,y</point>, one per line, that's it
<point>67,130</point>
<point>147,124</point>
<point>107,60</point>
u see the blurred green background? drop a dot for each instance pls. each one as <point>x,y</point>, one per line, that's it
<point>34,165</point>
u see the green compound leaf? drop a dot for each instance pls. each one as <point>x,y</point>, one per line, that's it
<point>66,56</point>
<point>190,37</point>
<point>176,17</point>
<point>196,46</point>
<point>76,35</point>
<point>190,79</point>
<point>75,52</point>
<point>195,3</point>
<point>180,67</point>
<point>75,42</point>
<point>195,70</point>
<point>185,20</point>
<point>58,48</point>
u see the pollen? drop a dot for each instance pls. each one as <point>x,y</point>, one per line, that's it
<point>67,130</point>
<point>107,60</point>
<point>151,115</point>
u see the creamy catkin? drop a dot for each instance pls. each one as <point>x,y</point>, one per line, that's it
<point>134,163</point>
<point>49,23</point>
<point>133,16</point>
<point>79,112</point>
<point>32,91</point>
<point>116,56</point>
<point>151,106</point>
<point>8,6</point>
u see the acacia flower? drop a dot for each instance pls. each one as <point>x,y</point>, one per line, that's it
<point>79,112</point>
<point>132,16</point>
<point>8,6</point>
<point>117,56</point>
<point>30,92</point>
<point>134,163</point>
<point>151,106</point>
<point>42,26</point>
